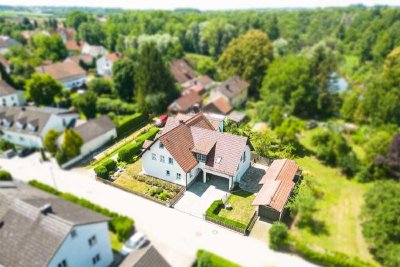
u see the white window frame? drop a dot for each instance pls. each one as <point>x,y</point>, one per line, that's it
<point>170,160</point>
<point>178,176</point>
<point>162,159</point>
<point>153,156</point>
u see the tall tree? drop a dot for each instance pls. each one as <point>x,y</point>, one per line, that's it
<point>76,18</point>
<point>42,89</point>
<point>86,103</point>
<point>393,157</point>
<point>249,56</point>
<point>123,77</point>
<point>92,33</point>
<point>273,31</point>
<point>155,86</point>
<point>50,141</point>
<point>48,47</point>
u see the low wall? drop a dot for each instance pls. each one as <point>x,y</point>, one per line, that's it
<point>233,228</point>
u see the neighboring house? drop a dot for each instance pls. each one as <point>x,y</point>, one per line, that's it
<point>27,126</point>
<point>95,133</point>
<point>6,64</point>
<point>87,59</point>
<point>193,148</point>
<point>190,102</point>
<point>217,121</point>
<point>204,81</point>
<point>104,64</point>
<point>67,34</point>
<point>68,73</point>
<point>38,229</point>
<point>145,257</point>
<point>9,96</point>
<point>218,106</point>
<point>234,90</point>
<point>277,183</point>
<point>6,43</point>
<point>181,71</point>
<point>74,47</point>
<point>93,50</point>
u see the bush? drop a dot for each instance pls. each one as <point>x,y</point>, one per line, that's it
<point>110,165</point>
<point>61,157</point>
<point>163,196</point>
<point>329,259</point>
<point>155,191</point>
<point>278,236</point>
<point>213,211</point>
<point>208,259</point>
<point>130,123</point>
<point>107,105</point>
<point>5,145</point>
<point>101,171</point>
<point>5,176</point>
<point>120,225</point>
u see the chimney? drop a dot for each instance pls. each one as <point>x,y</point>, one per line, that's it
<point>227,87</point>
<point>46,208</point>
<point>181,121</point>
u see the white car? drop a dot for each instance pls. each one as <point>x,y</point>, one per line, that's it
<point>133,243</point>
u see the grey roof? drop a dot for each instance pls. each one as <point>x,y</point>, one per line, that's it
<point>28,235</point>
<point>233,86</point>
<point>6,89</point>
<point>37,117</point>
<point>6,42</point>
<point>145,257</point>
<point>95,128</point>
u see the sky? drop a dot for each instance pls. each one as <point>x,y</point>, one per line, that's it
<point>199,4</point>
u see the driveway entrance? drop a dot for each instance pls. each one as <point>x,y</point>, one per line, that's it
<point>199,196</point>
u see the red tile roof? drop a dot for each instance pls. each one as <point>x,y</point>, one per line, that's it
<point>62,70</point>
<point>73,45</point>
<point>181,71</point>
<point>185,102</point>
<point>233,86</point>
<point>278,183</point>
<point>114,56</point>
<point>219,106</point>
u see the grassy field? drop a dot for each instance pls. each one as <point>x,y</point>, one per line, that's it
<point>242,210</point>
<point>12,14</point>
<point>338,207</point>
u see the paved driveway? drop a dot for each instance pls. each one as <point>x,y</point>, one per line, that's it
<point>199,196</point>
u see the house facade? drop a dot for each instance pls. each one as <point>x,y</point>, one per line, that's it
<point>93,50</point>
<point>27,126</point>
<point>234,90</point>
<point>105,63</point>
<point>39,229</point>
<point>194,147</point>
<point>9,96</point>
<point>68,73</point>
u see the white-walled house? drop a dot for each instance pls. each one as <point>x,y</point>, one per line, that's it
<point>105,63</point>
<point>9,96</point>
<point>192,147</point>
<point>39,229</point>
<point>234,90</point>
<point>68,73</point>
<point>27,126</point>
<point>93,50</point>
<point>95,133</point>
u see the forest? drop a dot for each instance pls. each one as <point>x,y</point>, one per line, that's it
<point>292,60</point>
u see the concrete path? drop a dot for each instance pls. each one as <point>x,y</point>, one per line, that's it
<point>177,235</point>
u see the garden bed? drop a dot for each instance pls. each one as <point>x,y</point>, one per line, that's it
<point>239,218</point>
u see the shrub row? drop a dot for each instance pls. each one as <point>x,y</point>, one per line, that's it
<point>160,193</point>
<point>5,176</point>
<point>327,258</point>
<point>127,153</point>
<point>129,123</point>
<point>103,170</point>
<point>120,225</point>
<point>106,105</point>
<point>208,259</point>
<point>213,211</point>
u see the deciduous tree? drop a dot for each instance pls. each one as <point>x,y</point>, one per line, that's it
<point>42,89</point>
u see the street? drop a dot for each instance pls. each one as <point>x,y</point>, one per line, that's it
<point>176,235</point>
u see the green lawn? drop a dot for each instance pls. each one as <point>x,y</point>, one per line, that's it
<point>125,179</point>
<point>339,205</point>
<point>242,210</point>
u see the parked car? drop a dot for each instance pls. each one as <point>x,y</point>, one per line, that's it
<point>9,153</point>
<point>135,242</point>
<point>25,152</point>
<point>162,120</point>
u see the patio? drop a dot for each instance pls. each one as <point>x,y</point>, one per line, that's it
<point>199,196</point>
<point>252,177</point>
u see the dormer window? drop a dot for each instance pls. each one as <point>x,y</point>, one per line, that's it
<point>20,125</point>
<point>201,157</point>
<point>218,160</point>
<point>7,123</point>
<point>32,127</point>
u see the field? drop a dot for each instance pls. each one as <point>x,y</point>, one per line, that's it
<point>242,210</point>
<point>339,205</point>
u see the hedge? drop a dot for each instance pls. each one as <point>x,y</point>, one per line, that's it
<point>278,236</point>
<point>328,258</point>
<point>130,123</point>
<point>127,153</point>
<point>101,171</point>
<point>213,210</point>
<point>208,259</point>
<point>5,176</point>
<point>110,165</point>
<point>106,105</point>
<point>120,225</point>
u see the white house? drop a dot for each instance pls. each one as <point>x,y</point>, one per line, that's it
<point>6,43</point>
<point>105,63</point>
<point>95,133</point>
<point>234,90</point>
<point>93,50</point>
<point>193,147</point>
<point>6,64</point>
<point>39,229</point>
<point>68,73</point>
<point>9,96</point>
<point>27,126</point>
